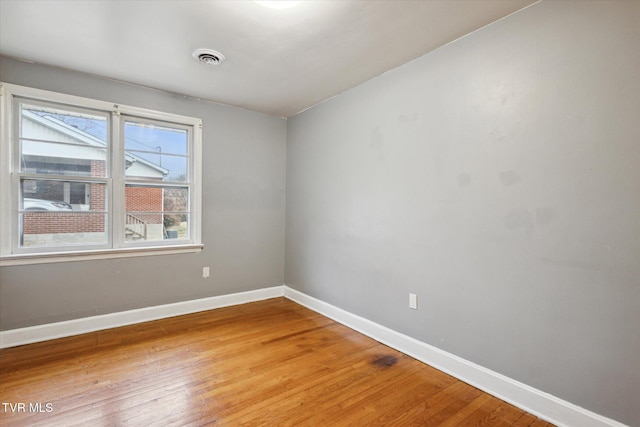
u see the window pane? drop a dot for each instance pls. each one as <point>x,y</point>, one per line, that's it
<point>175,199</point>
<point>156,152</point>
<point>59,124</point>
<point>54,195</point>
<point>176,226</point>
<point>150,137</point>
<point>64,142</point>
<point>156,213</point>
<point>60,213</point>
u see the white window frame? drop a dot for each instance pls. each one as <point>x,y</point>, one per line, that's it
<point>12,254</point>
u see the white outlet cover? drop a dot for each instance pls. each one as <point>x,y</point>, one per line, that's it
<point>413,301</point>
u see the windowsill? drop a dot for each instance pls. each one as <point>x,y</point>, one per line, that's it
<point>55,257</point>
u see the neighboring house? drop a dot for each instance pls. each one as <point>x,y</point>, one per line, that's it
<point>81,155</point>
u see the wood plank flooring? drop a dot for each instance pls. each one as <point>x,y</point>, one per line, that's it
<point>269,363</point>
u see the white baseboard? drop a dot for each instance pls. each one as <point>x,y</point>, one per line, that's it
<point>15,337</point>
<point>536,402</point>
<point>539,403</point>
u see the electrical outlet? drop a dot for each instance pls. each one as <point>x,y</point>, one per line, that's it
<point>205,272</point>
<point>413,301</point>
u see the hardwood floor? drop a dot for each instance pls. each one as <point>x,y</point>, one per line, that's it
<point>269,363</point>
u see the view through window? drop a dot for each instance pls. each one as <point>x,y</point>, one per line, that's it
<point>85,177</point>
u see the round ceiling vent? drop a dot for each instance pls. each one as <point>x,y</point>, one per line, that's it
<point>208,56</point>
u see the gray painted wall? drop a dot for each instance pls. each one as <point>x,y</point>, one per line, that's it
<point>243,218</point>
<point>499,179</point>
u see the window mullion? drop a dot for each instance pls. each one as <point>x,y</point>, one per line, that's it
<point>117,182</point>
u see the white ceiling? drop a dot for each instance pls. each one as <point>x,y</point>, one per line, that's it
<point>278,61</point>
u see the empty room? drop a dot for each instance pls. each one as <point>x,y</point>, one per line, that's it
<point>320,213</point>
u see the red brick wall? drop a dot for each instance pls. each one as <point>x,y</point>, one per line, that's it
<point>62,222</point>
<point>97,191</point>
<point>144,199</point>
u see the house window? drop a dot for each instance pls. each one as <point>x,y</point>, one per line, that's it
<point>81,176</point>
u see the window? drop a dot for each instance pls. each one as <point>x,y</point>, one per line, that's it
<point>84,177</point>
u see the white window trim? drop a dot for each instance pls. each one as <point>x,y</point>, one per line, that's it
<point>8,187</point>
